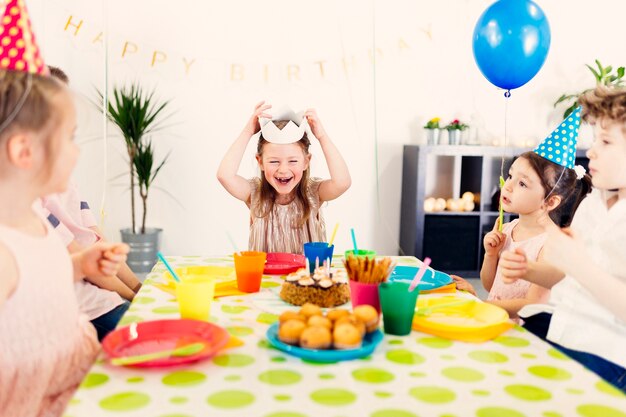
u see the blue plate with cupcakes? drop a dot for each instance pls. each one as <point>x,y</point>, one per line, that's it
<point>338,335</point>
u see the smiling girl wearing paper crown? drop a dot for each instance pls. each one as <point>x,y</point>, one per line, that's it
<point>285,203</point>
<point>46,345</point>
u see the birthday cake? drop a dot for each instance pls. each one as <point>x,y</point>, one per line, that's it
<point>325,287</point>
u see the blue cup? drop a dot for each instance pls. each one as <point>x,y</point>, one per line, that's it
<point>317,253</point>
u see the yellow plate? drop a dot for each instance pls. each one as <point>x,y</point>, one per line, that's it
<point>469,322</point>
<point>220,273</point>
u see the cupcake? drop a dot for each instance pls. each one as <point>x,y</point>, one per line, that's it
<point>368,315</point>
<point>290,331</point>
<point>347,336</point>
<point>319,321</point>
<point>291,315</point>
<point>316,338</point>
<point>353,320</point>
<point>309,310</point>
<point>335,315</point>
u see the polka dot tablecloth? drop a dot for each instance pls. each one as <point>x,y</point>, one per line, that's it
<point>515,375</point>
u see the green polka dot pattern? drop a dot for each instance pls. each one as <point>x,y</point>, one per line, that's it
<point>418,375</point>
<point>125,401</point>
<point>231,399</point>
<point>333,397</point>
<point>184,378</point>
<point>280,377</point>
<point>433,395</point>
<point>527,392</point>
<point>372,375</point>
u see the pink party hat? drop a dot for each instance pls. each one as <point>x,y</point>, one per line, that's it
<point>18,49</point>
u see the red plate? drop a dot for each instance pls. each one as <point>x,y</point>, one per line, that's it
<point>283,263</point>
<point>160,335</point>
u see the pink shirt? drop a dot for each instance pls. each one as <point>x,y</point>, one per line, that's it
<point>72,219</point>
<point>46,344</point>
<point>519,289</point>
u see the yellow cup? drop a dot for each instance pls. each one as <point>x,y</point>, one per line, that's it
<point>194,295</point>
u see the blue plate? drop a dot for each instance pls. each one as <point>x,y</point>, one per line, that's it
<point>316,355</point>
<point>431,280</point>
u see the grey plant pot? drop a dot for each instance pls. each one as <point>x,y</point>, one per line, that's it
<point>454,137</point>
<point>433,136</point>
<point>143,248</point>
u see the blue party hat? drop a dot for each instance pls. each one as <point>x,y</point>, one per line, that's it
<point>560,146</point>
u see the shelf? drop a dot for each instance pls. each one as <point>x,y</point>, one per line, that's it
<point>453,240</point>
<point>453,213</point>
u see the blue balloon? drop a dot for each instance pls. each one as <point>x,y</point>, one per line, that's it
<point>511,42</point>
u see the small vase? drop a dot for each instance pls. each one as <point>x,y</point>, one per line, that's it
<point>454,137</point>
<point>433,136</point>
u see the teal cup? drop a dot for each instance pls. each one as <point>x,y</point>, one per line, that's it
<point>398,306</point>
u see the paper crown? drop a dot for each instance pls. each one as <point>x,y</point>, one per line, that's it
<point>18,49</point>
<point>292,132</point>
<point>560,146</point>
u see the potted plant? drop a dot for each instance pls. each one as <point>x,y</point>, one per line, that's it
<point>454,129</point>
<point>137,113</point>
<point>603,75</point>
<point>433,132</point>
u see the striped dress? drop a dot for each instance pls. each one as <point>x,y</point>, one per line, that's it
<point>276,232</point>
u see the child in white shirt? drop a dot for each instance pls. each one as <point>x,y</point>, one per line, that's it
<point>586,315</point>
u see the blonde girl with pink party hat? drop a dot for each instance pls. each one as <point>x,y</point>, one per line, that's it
<point>46,345</point>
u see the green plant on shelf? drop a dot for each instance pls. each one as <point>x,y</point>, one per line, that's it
<point>606,76</point>
<point>432,123</point>
<point>456,125</point>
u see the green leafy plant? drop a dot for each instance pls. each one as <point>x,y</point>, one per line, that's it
<point>456,125</point>
<point>432,123</point>
<point>136,113</point>
<point>146,173</point>
<point>603,76</point>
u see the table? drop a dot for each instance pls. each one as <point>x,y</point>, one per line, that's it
<point>515,375</point>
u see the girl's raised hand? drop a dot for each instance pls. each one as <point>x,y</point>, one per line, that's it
<point>315,124</point>
<point>513,265</point>
<point>102,259</point>
<point>253,125</point>
<point>494,240</point>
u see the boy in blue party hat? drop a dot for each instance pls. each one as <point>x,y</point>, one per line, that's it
<point>585,266</point>
<point>539,185</point>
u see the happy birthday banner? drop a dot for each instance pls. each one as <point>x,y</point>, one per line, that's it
<point>85,34</point>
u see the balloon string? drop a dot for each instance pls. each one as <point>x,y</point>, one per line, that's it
<point>507,94</point>
<point>105,108</point>
<point>375,107</point>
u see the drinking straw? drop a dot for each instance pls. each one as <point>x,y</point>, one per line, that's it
<point>332,237</point>
<point>356,250</point>
<point>167,265</point>
<point>232,242</point>
<point>419,274</point>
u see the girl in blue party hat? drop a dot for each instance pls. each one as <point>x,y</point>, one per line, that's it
<point>539,186</point>
<point>585,266</point>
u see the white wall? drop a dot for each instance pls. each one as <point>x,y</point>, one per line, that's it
<point>217,59</point>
